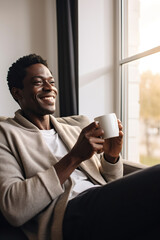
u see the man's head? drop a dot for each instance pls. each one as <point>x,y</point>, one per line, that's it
<point>32,85</point>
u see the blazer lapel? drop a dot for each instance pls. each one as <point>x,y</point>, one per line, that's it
<point>66,132</point>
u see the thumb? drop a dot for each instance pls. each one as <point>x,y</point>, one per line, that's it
<point>91,126</point>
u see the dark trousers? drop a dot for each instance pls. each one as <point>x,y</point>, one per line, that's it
<point>128,208</point>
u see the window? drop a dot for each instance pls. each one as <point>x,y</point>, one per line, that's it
<point>139,68</point>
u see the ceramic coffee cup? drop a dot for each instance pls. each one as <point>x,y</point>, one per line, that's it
<point>109,125</point>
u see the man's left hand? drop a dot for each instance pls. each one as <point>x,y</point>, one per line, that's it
<point>113,146</point>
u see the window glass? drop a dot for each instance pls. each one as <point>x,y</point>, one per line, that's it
<point>141,21</point>
<point>142,80</point>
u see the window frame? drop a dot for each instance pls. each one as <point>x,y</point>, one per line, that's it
<point>121,73</point>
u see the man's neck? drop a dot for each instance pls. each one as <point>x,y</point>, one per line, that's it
<point>42,122</point>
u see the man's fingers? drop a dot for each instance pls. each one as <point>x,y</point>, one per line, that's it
<point>94,130</point>
<point>98,146</point>
<point>92,126</point>
<point>120,124</point>
<point>121,134</point>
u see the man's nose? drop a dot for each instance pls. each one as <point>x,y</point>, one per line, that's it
<point>47,86</point>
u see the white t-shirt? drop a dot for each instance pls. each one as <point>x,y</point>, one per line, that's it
<point>59,150</point>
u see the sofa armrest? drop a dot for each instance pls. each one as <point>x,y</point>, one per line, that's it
<point>130,167</point>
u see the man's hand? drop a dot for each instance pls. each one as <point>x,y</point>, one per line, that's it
<point>113,146</point>
<point>88,143</point>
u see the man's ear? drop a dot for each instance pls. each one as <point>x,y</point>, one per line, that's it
<point>16,93</point>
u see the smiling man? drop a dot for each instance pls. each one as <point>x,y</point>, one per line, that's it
<point>38,95</point>
<point>44,164</point>
<point>53,184</point>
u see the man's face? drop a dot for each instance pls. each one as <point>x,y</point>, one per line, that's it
<point>38,95</point>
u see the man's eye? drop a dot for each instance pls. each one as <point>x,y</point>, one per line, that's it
<point>52,82</point>
<point>39,82</point>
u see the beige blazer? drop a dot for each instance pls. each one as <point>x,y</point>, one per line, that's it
<point>31,194</point>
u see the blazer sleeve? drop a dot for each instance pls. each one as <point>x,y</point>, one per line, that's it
<point>111,171</point>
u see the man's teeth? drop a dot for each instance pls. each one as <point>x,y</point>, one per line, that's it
<point>48,98</point>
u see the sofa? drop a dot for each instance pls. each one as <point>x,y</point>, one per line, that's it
<point>8,232</point>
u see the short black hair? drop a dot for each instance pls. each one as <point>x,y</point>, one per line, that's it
<point>17,71</point>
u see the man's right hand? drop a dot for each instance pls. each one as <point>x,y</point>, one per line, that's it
<point>88,143</point>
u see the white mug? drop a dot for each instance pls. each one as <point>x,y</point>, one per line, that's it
<point>109,125</point>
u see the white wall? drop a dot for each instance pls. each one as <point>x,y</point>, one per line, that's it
<point>26,26</point>
<point>96,57</point>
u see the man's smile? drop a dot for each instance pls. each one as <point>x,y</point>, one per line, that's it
<point>48,99</point>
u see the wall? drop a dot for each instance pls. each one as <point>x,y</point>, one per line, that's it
<point>26,26</point>
<point>96,57</point>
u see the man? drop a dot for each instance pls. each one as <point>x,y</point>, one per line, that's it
<point>52,182</point>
